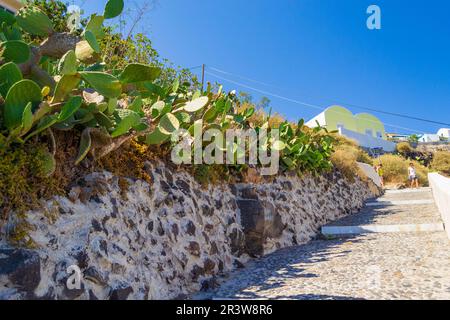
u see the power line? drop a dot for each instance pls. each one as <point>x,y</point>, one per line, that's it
<point>196,67</point>
<point>298,101</point>
<point>239,76</point>
<point>340,102</point>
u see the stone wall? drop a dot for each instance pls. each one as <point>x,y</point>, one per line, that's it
<point>168,239</point>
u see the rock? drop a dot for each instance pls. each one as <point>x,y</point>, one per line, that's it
<point>214,250</point>
<point>121,292</point>
<point>209,266</point>
<point>207,211</point>
<point>175,230</point>
<point>184,186</point>
<point>196,272</point>
<point>237,242</point>
<point>209,284</point>
<point>96,226</point>
<point>193,248</point>
<point>93,275</point>
<point>249,193</point>
<point>22,267</point>
<point>190,228</point>
<point>82,259</point>
<point>165,186</point>
<point>273,224</point>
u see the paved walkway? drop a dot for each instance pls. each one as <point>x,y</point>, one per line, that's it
<point>397,265</point>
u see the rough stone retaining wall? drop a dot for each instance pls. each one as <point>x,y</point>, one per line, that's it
<point>168,239</point>
<point>440,186</point>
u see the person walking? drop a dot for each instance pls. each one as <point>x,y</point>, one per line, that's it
<point>379,170</point>
<point>414,181</point>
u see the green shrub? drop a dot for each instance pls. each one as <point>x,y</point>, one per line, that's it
<point>441,162</point>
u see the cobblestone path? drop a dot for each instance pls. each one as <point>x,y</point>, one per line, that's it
<point>398,265</point>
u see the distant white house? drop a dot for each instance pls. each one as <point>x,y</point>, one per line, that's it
<point>429,137</point>
<point>396,137</point>
<point>442,134</point>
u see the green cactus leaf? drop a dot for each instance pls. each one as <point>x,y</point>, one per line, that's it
<point>156,137</point>
<point>113,8</point>
<point>9,74</point>
<point>10,33</point>
<point>27,119</point>
<point>6,17</point>
<point>90,38</point>
<point>128,120</point>
<point>175,86</point>
<point>68,64</point>
<point>278,145</point>
<point>65,86</point>
<point>19,95</point>
<point>137,72</point>
<point>183,117</point>
<point>136,105</point>
<point>210,115</point>
<point>69,124</point>
<point>103,120</point>
<point>85,145</point>
<point>15,50</point>
<point>197,104</point>
<point>104,83</point>
<point>95,25</point>
<point>112,105</point>
<point>168,124</point>
<point>196,126</point>
<point>41,111</point>
<point>32,20</point>
<point>101,107</point>
<point>156,108</point>
<point>45,123</point>
<point>70,108</point>
<point>141,127</point>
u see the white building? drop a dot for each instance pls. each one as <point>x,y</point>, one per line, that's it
<point>364,128</point>
<point>429,137</point>
<point>444,133</point>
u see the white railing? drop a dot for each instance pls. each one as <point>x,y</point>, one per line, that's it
<point>440,187</point>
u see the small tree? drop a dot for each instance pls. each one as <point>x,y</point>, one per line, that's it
<point>414,138</point>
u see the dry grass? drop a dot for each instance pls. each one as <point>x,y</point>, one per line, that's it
<point>441,162</point>
<point>395,170</point>
<point>346,154</point>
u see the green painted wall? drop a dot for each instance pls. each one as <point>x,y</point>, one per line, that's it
<point>337,115</point>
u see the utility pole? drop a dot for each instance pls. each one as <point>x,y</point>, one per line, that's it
<point>203,76</point>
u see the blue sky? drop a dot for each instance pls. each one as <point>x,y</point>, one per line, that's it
<point>318,52</point>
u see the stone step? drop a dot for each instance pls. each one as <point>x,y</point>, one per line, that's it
<point>427,189</point>
<point>398,202</point>
<point>343,230</point>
